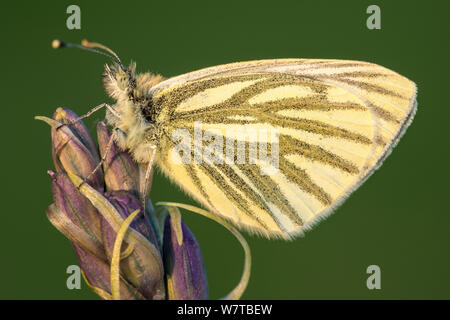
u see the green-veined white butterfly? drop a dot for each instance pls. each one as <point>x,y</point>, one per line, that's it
<point>335,121</point>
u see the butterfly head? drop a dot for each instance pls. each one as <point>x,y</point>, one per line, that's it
<point>124,85</point>
<point>120,83</point>
<point>130,90</point>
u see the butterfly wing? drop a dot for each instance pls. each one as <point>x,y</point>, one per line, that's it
<point>334,121</point>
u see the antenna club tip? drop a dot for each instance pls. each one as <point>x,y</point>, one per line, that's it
<point>57,44</point>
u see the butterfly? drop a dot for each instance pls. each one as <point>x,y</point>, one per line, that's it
<point>322,126</point>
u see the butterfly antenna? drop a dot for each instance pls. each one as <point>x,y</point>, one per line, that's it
<point>89,46</point>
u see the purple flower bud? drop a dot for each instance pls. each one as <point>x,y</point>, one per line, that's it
<point>76,207</point>
<point>183,262</point>
<point>78,128</point>
<point>121,172</point>
<point>73,149</point>
<point>98,274</point>
<point>141,261</point>
<point>92,220</point>
<point>126,203</point>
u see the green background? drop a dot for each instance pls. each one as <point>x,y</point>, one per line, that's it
<point>399,219</point>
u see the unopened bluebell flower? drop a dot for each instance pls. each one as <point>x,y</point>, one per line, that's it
<point>93,210</point>
<point>183,262</point>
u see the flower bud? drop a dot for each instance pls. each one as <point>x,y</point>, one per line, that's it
<point>98,274</point>
<point>74,150</point>
<point>125,203</point>
<point>74,208</point>
<point>183,262</point>
<point>117,242</point>
<point>121,172</point>
<point>142,265</point>
<point>64,115</point>
<point>134,269</point>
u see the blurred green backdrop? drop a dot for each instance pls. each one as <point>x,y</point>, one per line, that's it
<point>398,219</point>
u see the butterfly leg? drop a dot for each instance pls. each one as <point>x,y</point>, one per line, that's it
<point>103,159</point>
<point>146,180</point>
<point>103,105</point>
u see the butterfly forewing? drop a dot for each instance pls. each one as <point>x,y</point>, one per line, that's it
<point>333,122</point>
